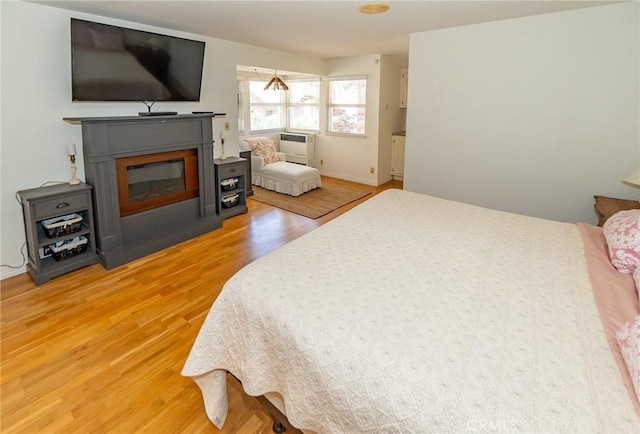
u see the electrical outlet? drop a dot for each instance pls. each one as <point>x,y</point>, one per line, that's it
<point>371,170</point>
<point>321,162</point>
<point>226,126</point>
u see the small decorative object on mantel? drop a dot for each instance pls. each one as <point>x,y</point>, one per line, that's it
<point>71,151</point>
<point>150,104</point>
<point>222,156</point>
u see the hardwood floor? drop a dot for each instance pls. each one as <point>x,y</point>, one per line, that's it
<point>101,351</point>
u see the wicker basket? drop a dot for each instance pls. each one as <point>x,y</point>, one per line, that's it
<point>230,201</point>
<point>69,248</point>
<point>62,225</point>
<point>228,184</point>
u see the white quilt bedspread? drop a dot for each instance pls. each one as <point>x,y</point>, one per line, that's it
<point>416,314</point>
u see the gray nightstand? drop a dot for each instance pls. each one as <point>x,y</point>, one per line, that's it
<point>44,203</point>
<point>231,200</point>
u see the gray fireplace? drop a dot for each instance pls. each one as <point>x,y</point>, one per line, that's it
<point>152,181</point>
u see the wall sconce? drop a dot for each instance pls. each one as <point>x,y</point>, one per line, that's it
<point>71,151</point>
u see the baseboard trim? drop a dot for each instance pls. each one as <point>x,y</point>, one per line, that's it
<point>12,272</point>
<point>348,178</point>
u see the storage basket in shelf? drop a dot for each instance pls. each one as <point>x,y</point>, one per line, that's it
<point>229,184</point>
<point>230,201</point>
<point>62,225</point>
<point>69,248</point>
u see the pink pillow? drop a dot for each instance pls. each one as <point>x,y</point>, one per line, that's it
<point>629,340</point>
<point>265,149</point>
<point>622,232</point>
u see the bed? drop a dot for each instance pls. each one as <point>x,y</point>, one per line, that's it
<point>411,313</point>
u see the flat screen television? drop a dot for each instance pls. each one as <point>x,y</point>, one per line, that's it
<point>111,63</point>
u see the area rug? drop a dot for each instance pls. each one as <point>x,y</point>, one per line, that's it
<point>312,204</point>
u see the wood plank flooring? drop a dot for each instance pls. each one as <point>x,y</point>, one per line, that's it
<point>101,351</point>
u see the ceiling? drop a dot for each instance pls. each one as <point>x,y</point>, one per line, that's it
<point>323,29</point>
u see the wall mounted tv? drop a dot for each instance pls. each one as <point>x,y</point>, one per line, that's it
<point>111,63</point>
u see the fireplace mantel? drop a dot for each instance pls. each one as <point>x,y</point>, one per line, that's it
<point>78,120</point>
<point>106,139</point>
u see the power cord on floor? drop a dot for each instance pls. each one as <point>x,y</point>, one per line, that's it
<point>24,259</point>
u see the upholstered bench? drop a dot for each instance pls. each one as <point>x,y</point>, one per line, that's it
<point>270,170</point>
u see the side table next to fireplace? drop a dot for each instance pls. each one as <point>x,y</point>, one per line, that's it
<point>48,204</point>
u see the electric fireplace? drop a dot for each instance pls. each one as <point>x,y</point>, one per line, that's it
<point>153,182</point>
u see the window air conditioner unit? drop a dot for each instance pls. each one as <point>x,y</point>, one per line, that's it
<point>298,148</point>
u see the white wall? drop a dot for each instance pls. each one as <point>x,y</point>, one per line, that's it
<point>346,157</point>
<point>531,115</point>
<point>36,95</point>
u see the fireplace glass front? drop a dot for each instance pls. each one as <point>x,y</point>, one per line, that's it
<point>153,180</point>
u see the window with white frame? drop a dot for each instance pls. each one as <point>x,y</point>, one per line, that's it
<point>268,110</point>
<point>303,104</point>
<point>266,107</point>
<point>346,105</point>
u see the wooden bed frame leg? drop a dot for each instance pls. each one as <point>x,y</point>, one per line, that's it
<point>278,427</point>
